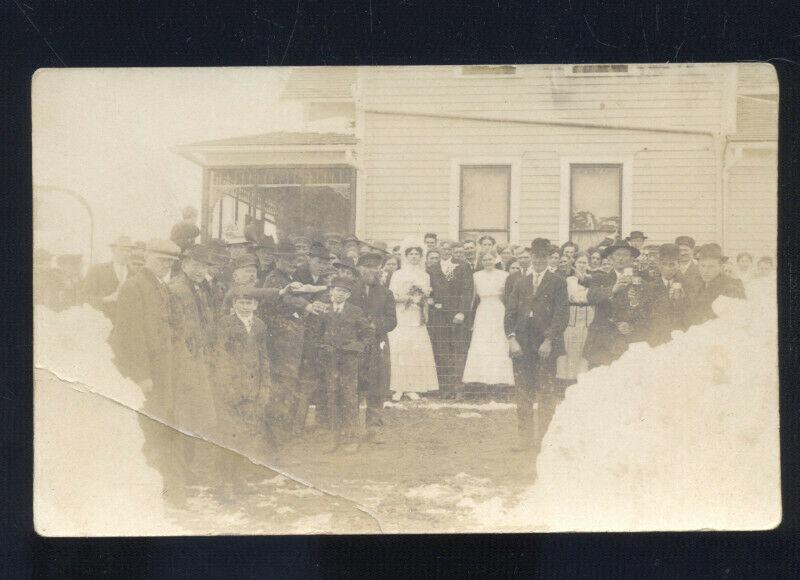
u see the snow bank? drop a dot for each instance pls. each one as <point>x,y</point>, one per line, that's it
<point>90,476</point>
<point>679,437</point>
<point>73,344</point>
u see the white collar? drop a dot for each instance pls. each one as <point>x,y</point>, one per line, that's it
<point>246,320</point>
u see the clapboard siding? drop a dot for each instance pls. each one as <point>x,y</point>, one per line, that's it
<point>407,163</point>
<point>751,205</point>
<point>652,95</point>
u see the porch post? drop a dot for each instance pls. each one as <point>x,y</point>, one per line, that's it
<point>205,211</point>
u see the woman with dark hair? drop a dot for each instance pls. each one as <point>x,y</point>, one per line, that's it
<point>390,265</point>
<point>413,367</point>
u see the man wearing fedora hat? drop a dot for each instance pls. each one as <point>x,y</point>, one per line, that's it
<point>103,280</point>
<point>142,342</point>
<point>536,316</point>
<point>622,307</point>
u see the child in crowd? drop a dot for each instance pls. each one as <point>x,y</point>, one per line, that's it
<point>345,335</point>
<point>242,373</point>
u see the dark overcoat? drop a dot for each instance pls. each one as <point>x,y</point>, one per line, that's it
<point>668,313</point>
<point>285,322</point>
<point>242,376</point>
<point>193,385</point>
<point>101,281</point>
<point>142,338</point>
<point>703,297</point>
<point>379,307</point>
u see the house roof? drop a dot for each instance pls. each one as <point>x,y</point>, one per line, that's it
<point>279,138</point>
<point>320,83</point>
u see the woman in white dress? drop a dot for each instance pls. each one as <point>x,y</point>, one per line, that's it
<point>488,361</point>
<point>571,364</point>
<point>413,367</point>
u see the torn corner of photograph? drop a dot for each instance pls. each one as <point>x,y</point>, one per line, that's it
<point>478,298</point>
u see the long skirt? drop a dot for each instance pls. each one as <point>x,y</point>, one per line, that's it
<point>571,364</point>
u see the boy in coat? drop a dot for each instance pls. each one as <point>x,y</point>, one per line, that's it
<point>345,336</point>
<point>242,365</point>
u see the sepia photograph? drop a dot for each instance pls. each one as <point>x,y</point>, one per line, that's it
<point>405,299</point>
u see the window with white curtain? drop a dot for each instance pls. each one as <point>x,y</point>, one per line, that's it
<point>485,201</point>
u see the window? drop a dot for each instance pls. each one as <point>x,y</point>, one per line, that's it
<point>595,202</point>
<point>485,201</point>
<point>488,70</point>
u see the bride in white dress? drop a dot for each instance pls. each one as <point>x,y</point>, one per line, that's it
<point>413,367</point>
<point>488,361</point>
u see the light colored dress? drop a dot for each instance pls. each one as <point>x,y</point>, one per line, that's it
<point>413,367</point>
<point>488,361</point>
<point>569,365</point>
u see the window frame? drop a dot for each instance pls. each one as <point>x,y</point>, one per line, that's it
<point>626,189</point>
<point>456,209</point>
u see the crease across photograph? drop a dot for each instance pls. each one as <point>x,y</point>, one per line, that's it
<point>359,300</point>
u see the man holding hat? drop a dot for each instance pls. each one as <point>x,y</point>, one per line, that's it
<point>342,344</point>
<point>378,305</point>
<point>142,341</point>
<point>714,283</point>
<point>536,316</point>
<point>103,280</point>
<point>622,308</point>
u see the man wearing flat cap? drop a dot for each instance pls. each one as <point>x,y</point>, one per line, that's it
<point>622,307</point>
<point>103,280</point>
<point>377,303</point>
<point>688,265</point>
<point>142,341</point>
<point>536,316</point>
<point>714,283</point>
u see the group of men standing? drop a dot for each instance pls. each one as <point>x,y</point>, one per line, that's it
<point>235,341</point>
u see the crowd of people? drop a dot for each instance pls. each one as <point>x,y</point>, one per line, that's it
<point>238,339</point>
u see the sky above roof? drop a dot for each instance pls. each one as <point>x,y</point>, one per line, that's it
<point>107,134</point>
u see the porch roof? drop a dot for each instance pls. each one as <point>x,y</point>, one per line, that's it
<point>274,147</point>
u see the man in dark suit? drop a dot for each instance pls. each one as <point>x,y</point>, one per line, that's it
<point>103,280</point>
<point>451,295</point>
<point>623,308</point>
<point>377,303</point>
<point>536,316</point>
<point>714,283</point>
<point>142,341</point>
<point>687,266</point>
<point>342,343</point>
<point>669,300</point>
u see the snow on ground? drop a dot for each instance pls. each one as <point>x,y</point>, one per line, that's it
<point>680,437</point>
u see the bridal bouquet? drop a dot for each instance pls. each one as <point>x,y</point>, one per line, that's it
<point>416,295</point>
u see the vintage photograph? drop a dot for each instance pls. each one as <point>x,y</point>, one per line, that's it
<point>440,299</point>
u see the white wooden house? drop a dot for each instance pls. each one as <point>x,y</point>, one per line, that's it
<point>560,151</point>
